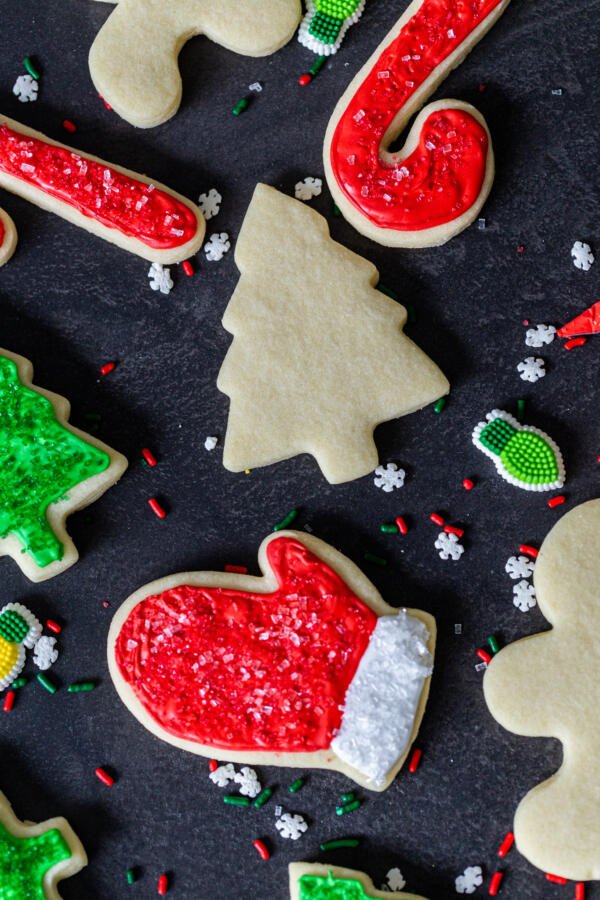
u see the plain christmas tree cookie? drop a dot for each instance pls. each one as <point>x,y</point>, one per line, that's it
<point>305,666</point>
<point>435,186</point>
<point>134,59</point>
<point>48,469</point>
<point>318,358</point>
<point>35,857</point>
<point>547,685</point>
<point>315,881</point>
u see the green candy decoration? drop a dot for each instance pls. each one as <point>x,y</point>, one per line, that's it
<point>523,455</point>
<point>326,23</point>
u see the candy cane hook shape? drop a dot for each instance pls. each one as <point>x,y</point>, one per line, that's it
<point>8,237</point>
<point>436,185</point>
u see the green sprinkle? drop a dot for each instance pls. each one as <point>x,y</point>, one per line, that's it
<point>317,65</point>
<point>412,315</point>
<point>337,845</point>
<point>45,681</point>
<point>493,643</point>
<point>520,410</point>
<point>348,807</point>
<point>263,797</point>
<point>296,785</point>
<point>131,876</point>
<point>27,62</point>
<point>439,405</point>
<point>18,683</point>
<point>348,797</point>
<point>81,687</point>
<point>387,291</point>
<point>287,520</point>
<point>376,560</point>
<point>240,106</point>
<point>335,210</point>
<point>388,529</point>
<point>234,800</point>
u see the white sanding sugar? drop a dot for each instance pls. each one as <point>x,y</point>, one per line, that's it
<point>383,697</point>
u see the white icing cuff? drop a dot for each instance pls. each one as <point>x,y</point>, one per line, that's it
<point>383,697</point>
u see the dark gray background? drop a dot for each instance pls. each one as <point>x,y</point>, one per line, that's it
<point>70,302</point>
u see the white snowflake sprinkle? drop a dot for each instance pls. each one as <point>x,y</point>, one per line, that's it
<point>519,567</point>
<point>211,442</point>
<point>160,278</point>
<point>395,881</point>
<point>291,826</point>
<point>582,256</point>
<point>540,335</point>
<point>210,204</point>
<point>217,246</point>
<point>524,596</point>
<point>307,189</point>
<point>255,86</point>
<point>469,881</point>
<point>223,775</point>
<point>389,477</point>
<point>26,88</point>
<point>531,369</point>
<point>248,781</point>
<point>45,653</point>
<point>449,546</point>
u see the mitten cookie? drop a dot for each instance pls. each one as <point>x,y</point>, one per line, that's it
<point>547,685</point>
<point>306,666</point>
<point>318,358</point>
<point>126,209</point>
<point>436,185</point>
<point>8,237</point>
<point>48,469</point>
<point>315,881</point>
<point>133,61</point>
<point>34,858</point>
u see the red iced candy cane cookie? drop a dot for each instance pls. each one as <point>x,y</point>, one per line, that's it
<point>122,207</point>
<point>8,237</point>
<point>436,185</point>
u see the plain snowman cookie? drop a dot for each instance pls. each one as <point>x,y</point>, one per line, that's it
<point>133,61</point>
<point>315,881</point>
<point>547,685</point>
<point>305,666</point>
<point>319,357</point>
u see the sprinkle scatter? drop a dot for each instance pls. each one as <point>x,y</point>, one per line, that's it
<point>449,546</point>
<point>223,775</point>
<point>291,826</point>
<point>210,203</point>
<point>217,246</point>
<point>519,567</point>
<point>160,278</point>
<point>308,188</point>
<point>326,23</point>
<point>389,477</point>
<point>395,881</point>
<point>26,89</point>
<point>531,369</point>
<point>524,596</point>
<point>469,881</point>
<point>540,335</point>
<point>211,442</point>
<point>582,256</point>
<point>249,785</point>
<point>45,653</point>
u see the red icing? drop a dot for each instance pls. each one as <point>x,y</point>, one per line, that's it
<point>117,201</point>
<point>443,176</point>
<point>587,322</point>
<point>248,671</point>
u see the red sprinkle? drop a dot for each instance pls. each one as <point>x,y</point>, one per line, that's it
<point>188,268</point>
<point>484,656</point>
<point>156,508</point>
<point>482,88</point>
<point>9,701</point>
<point>555,879</point>
<point>495,883</point>
<point>468,484</point>
<point>241,570</point>
<point>51,625</point>
<point>529,551</point>
<point>107,368</point>
<point>520,248</point>
<point>107,105</point>
<point>69,126</point>
<point>261,850</point>
<point>305,79</point>
<point>104,777</point>
<point>163,885</point>
<point>415,760</point>
<point>506,844</point>
<point>575,342</point>
<point>453,529</point>
<point>556,501</point>
<point>213,765</point>
<point>402,526</point>
<point>580,890</point>
<point>149,456</point>
<point>435,517</point>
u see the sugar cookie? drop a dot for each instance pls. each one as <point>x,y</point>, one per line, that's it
<point>48,469</point>
<point>133,61</point>
<point>8,237</point>
<point>316,881</point>
<point>436,185</point>
<point>127,209</point>
<point>306,666</point>
<point>547,685</point>
<point>318,357</point>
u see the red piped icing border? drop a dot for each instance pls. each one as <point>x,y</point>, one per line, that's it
<point>247,671</point>
<point>443,177</point>
<point>98,191</point>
